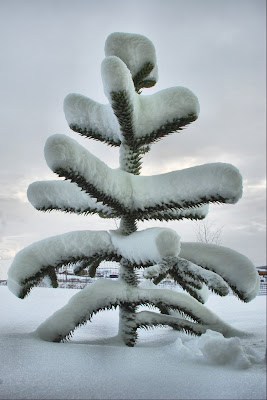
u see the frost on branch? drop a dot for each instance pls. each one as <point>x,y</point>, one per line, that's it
<point>133,122</point>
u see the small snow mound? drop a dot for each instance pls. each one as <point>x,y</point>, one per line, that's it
<point>133,49</point>
<point>168,243</point>
<point>218,350</point>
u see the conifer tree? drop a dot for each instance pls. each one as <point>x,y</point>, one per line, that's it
<point>133,122</point>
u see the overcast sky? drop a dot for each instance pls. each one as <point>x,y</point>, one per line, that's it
<point>216,48</point>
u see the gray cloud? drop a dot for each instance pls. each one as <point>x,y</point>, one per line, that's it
<point>216,48</point>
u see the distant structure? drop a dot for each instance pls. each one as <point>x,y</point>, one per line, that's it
<point>262,271</point>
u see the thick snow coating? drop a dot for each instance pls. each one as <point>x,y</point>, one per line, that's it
<point>145,246</point>
<point>133,49</point>
<point>150,244</point>
<point>116,77</point>
<point>65,196</point>
<point>193,184</point>
<point>181,266</point>
<point>54,251</point>
<point>92,116</point>
<point>233,267</point>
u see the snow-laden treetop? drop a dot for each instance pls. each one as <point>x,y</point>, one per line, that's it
<point>130,65</point>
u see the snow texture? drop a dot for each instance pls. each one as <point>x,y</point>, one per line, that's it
<point>151,244</point>
<point>94,357</point>
<point>133,49</point>
<point>220,351</point>
<point>233,267</point>
<point>116,77</point>
<point>65,196</point>
<point>145,246</point>
<point>183,267</point>
<point>55,251</point>
<point>92,116</point>
<point>138,192</point>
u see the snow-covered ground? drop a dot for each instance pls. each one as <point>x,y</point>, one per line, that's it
<point>165,364</point>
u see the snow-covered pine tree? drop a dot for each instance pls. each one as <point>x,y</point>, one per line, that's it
<point>132,122</point>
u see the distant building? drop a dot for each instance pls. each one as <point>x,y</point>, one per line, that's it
<point>262,271</point>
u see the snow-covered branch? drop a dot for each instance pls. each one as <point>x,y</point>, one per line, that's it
<point>180,268</point>
<point>236,269</point>
<point>86,249</point>
<point>146,319</point>
<point>127,193</point>
<point>104,294</point>
<point>92,119</point>
<point>34,262</point>
<point>65,196</point>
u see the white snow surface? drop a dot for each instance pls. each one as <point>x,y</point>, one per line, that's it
<point>89,114</point>
<point>63,195</point>
<point>133,49</point>
<point>229,264</point>
<point>164,364</point>
<point>116,77</point>
<point>138,192</point>
<point>149,244</point>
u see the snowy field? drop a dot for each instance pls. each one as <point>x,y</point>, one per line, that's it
<point>165,364</point>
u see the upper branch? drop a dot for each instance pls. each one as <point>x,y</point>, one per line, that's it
<point>145,119</point>
<point>92,119</point>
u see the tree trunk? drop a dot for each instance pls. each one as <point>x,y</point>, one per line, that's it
<point>128,225</point>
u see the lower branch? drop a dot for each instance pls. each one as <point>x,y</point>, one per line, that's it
<point>150,319</point>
